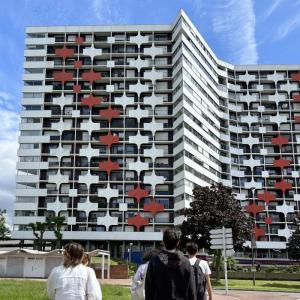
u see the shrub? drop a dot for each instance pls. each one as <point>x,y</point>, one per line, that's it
<point>292,269</point>
<point>271,269</point>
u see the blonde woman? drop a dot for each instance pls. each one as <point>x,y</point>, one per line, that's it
<point>73,280</point>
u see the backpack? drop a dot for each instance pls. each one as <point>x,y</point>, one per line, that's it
<point>139,292</point>
<point>200,280</point>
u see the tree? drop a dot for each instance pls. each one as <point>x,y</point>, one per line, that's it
<point>56,223</point>
<point>293,245</point>
<point>38,229</point>
<point>4,230</point>
<point>214,207</point>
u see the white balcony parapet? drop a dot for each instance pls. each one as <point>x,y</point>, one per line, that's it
<point>57,206</point>
<point>107,221</point>
<point>124,100</point>
<point>153,152</point>
<point>138,139</point>
<point>139,39</point>
<point>153,75</point>
<point>87,207</point>
<point>278,119</point>
<point>253,185</point>
<point>154,180</point>
<point>138,166</point>
<point>285,209</point>
<point>153,51</point>
<point>108,193</point>
<point>252,163</point>
<point>92,52</point>
<point>153,100</point>
<point>153,127</point>
<point>286,232</point>
<point>138,113</point>
<point>138,88</point>
<point>139,63</point>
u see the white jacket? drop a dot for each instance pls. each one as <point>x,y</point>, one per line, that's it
<point>73,283</point>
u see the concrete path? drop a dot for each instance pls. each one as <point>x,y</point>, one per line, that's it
<point>247,295</point>
<point>233,295</point>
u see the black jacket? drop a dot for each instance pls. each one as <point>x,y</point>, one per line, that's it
<point>170,277</point>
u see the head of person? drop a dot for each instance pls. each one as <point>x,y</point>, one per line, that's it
<point>170,239</point>
<point>73,255</point>
<point>149,254</point>
<point>85,259</point>
<point>191,248</point>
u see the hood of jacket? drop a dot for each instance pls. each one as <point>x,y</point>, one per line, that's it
<point>171,260</point>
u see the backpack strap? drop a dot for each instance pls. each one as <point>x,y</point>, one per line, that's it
<point>197,263</point>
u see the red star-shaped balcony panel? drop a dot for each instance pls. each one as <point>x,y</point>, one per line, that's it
<point>280,141</point>
<point>281,163</point>
<point>91,76</point>
<point>254,209</point>
<point>79,40</point>
<point>268,220</point>
<point>296,98</point>
<point>76,88</point>
<point>138,193</point>
<point>296,76</point>
<point>109,113</point>
<point>108,166</point>
<point>154,207</point>
<point>267,197</point>
<point>109,139</point>
<point>138,221</point>
<point>258,232</point>
<point>283,185</point>
<point>64,52</point>
<point>297,119</point>
<point>77,64</point>
<point>63,76</point>
<point>90,101</point>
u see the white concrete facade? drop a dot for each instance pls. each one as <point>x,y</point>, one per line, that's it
<point>165,114</point>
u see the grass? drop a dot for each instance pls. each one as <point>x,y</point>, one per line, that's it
<point>36,290</point>
<point>260,285</point>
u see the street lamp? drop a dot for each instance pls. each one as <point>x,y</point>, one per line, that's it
<point>253,245</point>
<point>130,251</point>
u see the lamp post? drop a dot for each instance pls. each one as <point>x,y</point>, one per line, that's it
<point>253,245</point>
<point>130,251</point>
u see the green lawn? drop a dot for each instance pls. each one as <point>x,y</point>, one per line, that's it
<point>261,285</point>
<point>36,290</point>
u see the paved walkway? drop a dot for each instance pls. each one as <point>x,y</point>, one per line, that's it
<point>247,295</point>
<point>233,295</point>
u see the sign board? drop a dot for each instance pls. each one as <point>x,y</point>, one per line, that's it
<point>228,241</point>
<point>222,239</point>
<point>215,247</point>
<point>220,231</point>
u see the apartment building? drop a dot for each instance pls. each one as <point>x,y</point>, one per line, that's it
<point>119,123</point>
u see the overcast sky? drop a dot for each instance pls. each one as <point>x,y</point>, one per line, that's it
<point>238,31</point>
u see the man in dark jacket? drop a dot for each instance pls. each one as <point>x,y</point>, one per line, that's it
<point>169,275</point>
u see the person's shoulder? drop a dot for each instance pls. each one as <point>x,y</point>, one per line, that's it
<point>184,260</point>
<point>204,263</point>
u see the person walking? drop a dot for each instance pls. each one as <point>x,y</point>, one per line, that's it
<point>201,271</point>
<point>73,280</point>
<point>169,275</point>
<point>138,282</point>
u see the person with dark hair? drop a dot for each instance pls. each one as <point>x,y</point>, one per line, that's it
<point>169,275</point>
<point>73,280</point>
<point>201,272</point>
<point>138,281</point>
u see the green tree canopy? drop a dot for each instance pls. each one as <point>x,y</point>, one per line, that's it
<point>4,230</point>
<point>293,245</point>
<point>215,207</point>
